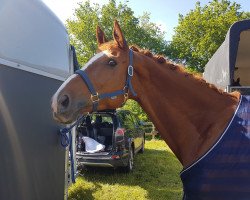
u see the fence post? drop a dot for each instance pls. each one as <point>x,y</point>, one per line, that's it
<point>154,132</point>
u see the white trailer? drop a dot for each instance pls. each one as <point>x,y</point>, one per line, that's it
<point>35,58</point>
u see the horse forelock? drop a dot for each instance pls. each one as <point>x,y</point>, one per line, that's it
<point>107,46</point>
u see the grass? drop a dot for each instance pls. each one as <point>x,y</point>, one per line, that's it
<point>155,177</point>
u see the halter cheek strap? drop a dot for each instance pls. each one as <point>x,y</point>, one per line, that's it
<point>95,97</point>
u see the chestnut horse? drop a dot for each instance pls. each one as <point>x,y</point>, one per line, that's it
<point>189,113</point>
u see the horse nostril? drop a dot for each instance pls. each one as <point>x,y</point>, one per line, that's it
<point>64,101</point>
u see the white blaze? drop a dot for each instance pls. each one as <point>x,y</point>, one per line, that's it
<point>93,59</point>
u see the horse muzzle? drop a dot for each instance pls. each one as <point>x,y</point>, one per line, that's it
<point>65,109</point>
<point>61,107</point>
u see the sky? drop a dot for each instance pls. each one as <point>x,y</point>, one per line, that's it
<point>163,12</point>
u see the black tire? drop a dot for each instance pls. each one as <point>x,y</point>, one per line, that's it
<point>142,147</point>
<point>130,163</point>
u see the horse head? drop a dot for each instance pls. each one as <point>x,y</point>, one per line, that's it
<point>103,83</point>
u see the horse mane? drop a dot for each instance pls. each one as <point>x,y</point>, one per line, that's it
<point>181,69</point>
<point>157,58</point>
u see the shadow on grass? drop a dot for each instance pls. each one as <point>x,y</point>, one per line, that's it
<point>156,171</point>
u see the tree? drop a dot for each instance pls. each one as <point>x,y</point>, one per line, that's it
<point>81,31</point>
<point>246,15</point>
<point>200,32</point>
<point>134,107</point>
<point>137,30</point>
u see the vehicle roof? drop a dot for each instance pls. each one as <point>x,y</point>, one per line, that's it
<point>111,111</point>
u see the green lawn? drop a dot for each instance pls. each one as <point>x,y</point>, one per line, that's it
<point>156,177</point>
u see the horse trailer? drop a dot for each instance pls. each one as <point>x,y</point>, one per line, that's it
<point>35,58</point>
<point>229,67</point>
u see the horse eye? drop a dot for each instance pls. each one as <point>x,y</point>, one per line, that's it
<point>112,63</point>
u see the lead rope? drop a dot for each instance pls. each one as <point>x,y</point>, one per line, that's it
<point>67,141</point>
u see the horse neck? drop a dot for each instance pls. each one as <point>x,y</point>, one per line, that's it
<point>188,113</point>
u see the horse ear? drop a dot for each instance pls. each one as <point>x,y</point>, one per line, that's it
<point>100,36</point>
<point>118,36</point>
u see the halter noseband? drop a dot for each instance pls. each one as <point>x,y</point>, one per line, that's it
<point>95,97</point>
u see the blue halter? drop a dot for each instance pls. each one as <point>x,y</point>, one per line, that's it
<point>95,97</point>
